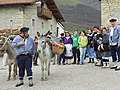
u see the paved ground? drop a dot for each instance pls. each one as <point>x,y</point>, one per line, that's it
<point>67,77</point>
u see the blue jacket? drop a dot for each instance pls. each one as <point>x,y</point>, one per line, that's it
<point>116,35</point>
<point>29,48</point>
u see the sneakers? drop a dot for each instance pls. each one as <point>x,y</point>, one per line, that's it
<point>30,84</point>
<point>117,69</point>
<point>113,67</point>
<point>105,65</point>
<point>19,84</point>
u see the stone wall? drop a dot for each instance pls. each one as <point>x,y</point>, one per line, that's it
<point>39,24</point>
<point>17,16</point>
<point>11,17</point>
<point>109,9</point>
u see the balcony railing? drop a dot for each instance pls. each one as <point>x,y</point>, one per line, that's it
<point>44,13</point>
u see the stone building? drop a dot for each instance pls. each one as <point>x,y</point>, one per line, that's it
<point>109,9</point>
<point>42,16</point>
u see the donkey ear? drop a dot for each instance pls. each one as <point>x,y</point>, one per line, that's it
<point>6,39</point>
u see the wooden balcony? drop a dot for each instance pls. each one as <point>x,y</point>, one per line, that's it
<point>44,13</point>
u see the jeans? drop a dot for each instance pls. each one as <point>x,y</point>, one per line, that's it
<point>91,52</point>
<point>82,54</point>
<point>115,52</point>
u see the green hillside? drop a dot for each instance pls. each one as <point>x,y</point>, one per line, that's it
<point>93,3</point>
<point>80,14</point>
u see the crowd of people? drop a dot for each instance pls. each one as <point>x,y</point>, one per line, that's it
<point>98,43</point>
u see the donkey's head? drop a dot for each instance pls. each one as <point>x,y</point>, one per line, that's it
<point>42,42</point>
<point>2,45</point>
<point>5,43</point>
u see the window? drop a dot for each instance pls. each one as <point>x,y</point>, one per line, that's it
<point>42,25</point>
<point>11,24</point>
<point>51,27</point>
<point>33,22</point>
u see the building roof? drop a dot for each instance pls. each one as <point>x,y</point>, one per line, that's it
<point>50,3</point>
<point>7,2</point>
<point>53,7</point>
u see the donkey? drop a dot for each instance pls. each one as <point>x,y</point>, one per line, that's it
<point>45,52</point>
<point>11,56</point>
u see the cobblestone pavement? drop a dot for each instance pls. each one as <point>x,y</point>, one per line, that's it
<point>66,77</point>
